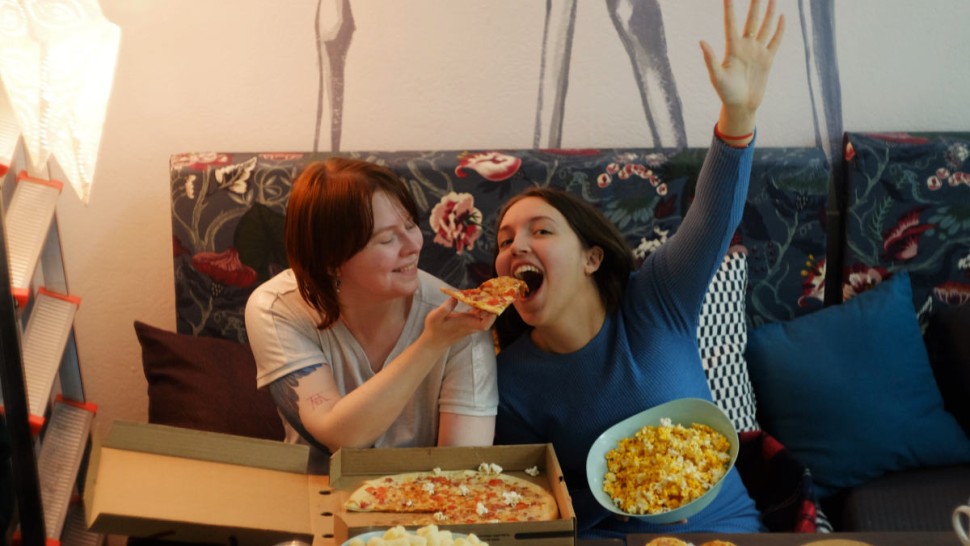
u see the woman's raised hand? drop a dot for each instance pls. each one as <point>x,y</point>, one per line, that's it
<point>741,77</point>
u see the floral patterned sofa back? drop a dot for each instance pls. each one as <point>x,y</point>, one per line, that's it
<point>907,207</point>
<point>227,211</point>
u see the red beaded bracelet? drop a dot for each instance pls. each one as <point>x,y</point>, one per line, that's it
<point>722,136</point>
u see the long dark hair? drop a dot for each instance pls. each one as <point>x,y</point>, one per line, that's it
<point>329,218</point>
<point>592,229</point>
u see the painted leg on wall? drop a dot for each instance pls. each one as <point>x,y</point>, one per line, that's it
<point>557,44</point>
<point>821,65</point>
<point>639,24</point>
<point>334,30</point>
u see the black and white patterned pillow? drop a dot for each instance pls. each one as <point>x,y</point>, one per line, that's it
<point>722,334</point>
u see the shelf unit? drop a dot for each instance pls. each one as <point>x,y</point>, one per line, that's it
<point>47,417</point>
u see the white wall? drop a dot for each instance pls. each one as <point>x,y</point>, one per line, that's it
<point>240,75</point>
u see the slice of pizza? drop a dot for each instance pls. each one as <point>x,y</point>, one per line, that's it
<point>493,295</point>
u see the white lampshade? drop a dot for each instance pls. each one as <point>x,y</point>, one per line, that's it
<point>57,62</point>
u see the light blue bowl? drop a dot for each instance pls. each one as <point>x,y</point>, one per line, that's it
<point>684,411</point>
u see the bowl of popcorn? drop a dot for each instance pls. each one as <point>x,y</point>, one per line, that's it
<point>664,464</point>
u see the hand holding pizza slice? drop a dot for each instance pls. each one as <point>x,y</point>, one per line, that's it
<point>493,295</point>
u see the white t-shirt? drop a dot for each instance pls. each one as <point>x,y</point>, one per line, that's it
<point>284,337</point>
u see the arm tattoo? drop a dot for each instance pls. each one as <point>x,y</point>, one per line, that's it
<point>283,391</point>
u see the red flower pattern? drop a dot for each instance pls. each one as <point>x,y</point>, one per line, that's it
<point>492,166</point>
<point>901,138</point>
<point>456,222</point>
<point>862,277</point>
<point>572,152</point>
<point>624,170</point>
<point>224,267</point>
<point>199,161</point>
<point>281,156</point>
<point>953,292</point>
<point>901,242</point>
<point>813,287</point>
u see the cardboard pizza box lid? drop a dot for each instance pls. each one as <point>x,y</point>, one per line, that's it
<point>350,467</point>
<point>179,484</point>
<point>175,484</point>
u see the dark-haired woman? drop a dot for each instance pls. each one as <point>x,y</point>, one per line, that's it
<point>358,346</point>
<point>595,341</point>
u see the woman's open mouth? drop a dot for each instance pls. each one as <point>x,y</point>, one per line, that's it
<point>531,276</point>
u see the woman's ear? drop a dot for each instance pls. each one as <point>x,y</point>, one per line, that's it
<point>594,257</point>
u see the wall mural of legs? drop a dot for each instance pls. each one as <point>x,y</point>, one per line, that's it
<point>334,29</point>
<point>557,44</point>
<point>821,63</point>
<point>639,23</point>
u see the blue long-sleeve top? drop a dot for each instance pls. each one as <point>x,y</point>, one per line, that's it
<point>645,354</point>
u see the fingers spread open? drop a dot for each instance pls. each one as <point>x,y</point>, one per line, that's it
<point>751,23</point>
<point>730,25</point>
<point>779,33</point>
<point>713,67</point>
<point>764,30</point>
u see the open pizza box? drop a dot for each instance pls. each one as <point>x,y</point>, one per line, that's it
<point>170,483</point>
<point>350,467</point>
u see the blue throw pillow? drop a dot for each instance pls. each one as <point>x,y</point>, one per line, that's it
<point>849,389</point>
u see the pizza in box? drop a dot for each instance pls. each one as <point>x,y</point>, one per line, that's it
<point>485,495</point>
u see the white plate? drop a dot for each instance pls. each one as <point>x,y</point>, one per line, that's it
<point>368,535</point>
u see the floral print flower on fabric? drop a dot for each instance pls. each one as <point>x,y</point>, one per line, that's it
<point>862,277</point>
<point>492,166</point>
<point>456,222</point>
<point>199,161</point>
<point>901,242</point>
<point>813,287</point>
<point>953,292</point>
<point>224,268</point>
<point>625,167</point>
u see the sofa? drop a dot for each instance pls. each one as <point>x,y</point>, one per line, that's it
<point>835,334</point>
